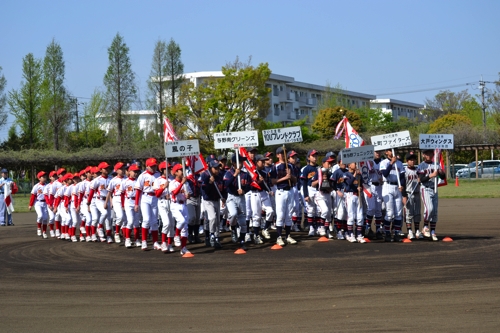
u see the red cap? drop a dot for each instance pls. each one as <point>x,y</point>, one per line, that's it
<point>52,173</point>
<point>103,165</point>
<point>95,169</point>
<point>177,167</point>
<point>67,176</point>
<point>292,153</point>
<point>61,170</point>
<point>118,165</point>
<point>162,166</point>
<point>76,175</point>
<point>151,162</point>
<point>133,167</point>
<point>87,169</point>
<point>40,174</point>
<point>82,173</point>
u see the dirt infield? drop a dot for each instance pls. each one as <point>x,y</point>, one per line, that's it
<point>58,286</point>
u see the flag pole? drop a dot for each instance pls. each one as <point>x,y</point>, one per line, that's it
<point>237,150</point>
<point>435,169</point>
<point>396,166</point>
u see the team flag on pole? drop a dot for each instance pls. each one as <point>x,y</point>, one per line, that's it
<point>169,132</point>
<point>441,182</point>
<point>8,198</point>
<point>196,163</point>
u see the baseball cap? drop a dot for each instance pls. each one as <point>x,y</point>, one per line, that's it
<point>52,173</point>
<point>331,153</point>
<point>241,158</point>
<point>40,174</point>
<point>279,150</point>
<point>103,165</point>
<point>291,153</point>
<point>327,159</point>
<point>95,169</point>
<point>177,167</point>
<point>162,165</point>
<point>76,175</point>
<point>249,149</point>
<point>268,154</point>
<point>222,158</point>
<point>428,151</point>
<point>59,171</point>
<point>261,158</point>
<point>4,171</point>
<point>133,167</point>
<point>151,162</point>
<point>312,152</point>
<point>213,164</point>
<point>82,173</point>
<point>210,158</point>
<point>410,156</point>
<point>87,169</point>
<point>118,165</point>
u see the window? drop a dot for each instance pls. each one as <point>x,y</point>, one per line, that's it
<point>281,88</point>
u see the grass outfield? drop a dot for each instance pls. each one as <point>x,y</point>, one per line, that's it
<point>480,188</point>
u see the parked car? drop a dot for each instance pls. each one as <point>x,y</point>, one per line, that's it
<point>485,167</point>
<point>455,168</point>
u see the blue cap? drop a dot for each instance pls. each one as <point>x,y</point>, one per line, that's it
<point>4,171</point>
<point>213,164</point>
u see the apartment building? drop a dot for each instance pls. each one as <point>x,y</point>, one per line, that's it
<point>398,108</point>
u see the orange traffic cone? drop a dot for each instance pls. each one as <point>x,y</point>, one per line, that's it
<point>323,239</point>
<point>456,181</point>
<point>406,240</point>
<point>188,255</point>
<point>240,251</point>
<point>276,247</point>
<point>447,239</point>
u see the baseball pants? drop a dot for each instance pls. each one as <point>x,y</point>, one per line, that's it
<point>149,209</point>
<point>105,213</point>
<point>194,211</point>
<point>260,202</point>
<point>236,208</point>
<point>120,218</point>
<point>354,209</point>
<point>324,204</point>
<point>430,201</point>
<point>284,206</point>
<point>41,212</point>
<point>413,208</point>
<point>180,215</point>
<point>132,216</point>
<point>167,220</point>
<point>212,209</point>
<point>393,202</point>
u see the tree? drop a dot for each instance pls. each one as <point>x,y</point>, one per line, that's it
<point>158,82</point>
<point>25,103</point>
<point>327,120</point>
<point>446,122</point>
<point>374,120</point>
<point>445,102</point>
<point>94,114</point>
<point>333,97</point>
<point>175,69</point>
<point>120,83</point>
<point>3,100</point>
<point>55,100</point>
<point>472,110</point>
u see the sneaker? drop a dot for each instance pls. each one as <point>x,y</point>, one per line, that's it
<point>280,242</point>
<point>82,238</point>
<point>248,238</point>
<point>201,231</point>
<point>156,246</point>
<point>73,239</point>
<point>410,235</point>
<point>109,239</point>
<point>44,235</point>
<point>360,239</point>
<point>234,236</point>
<point>82,230</point>
<point>117,238</point>
<point>351,238</point>
<point>88,239</point>
<point>164,247</point>
<point>330,235</point>
<point>266,234</point>
<point>295,228</point>
<point>184,250</point>
<point>418,235</point>
<point>144,245</point>
<point>52,233</point>
<point>100,233</point>
<point>369,233</point>
<point>258,240</point>
<point>332,229</point>
<point>102,239</point>
<point>138,243</point>
<point>273,226</point>
<point>311,232</point>
<point>177,241</point>
<point>321,231</point>
<point>58,233</point>
<point>340,235</point>
<point>94,238</point>
<point>290,240</point>
<point>66,237</point>
<point>38,232</point>
<point>128,243</point>
<point>426,232</point>
<point>434,237</point>
<point>170,248</point>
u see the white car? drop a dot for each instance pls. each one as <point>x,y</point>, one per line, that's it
<point>485,167</point>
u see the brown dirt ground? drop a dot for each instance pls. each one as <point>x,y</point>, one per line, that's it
<point>58,286</point>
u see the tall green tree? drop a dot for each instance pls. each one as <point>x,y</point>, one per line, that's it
<point>55,100</point>
<point>445,102</point>
<point>158,82</point>
<point>120,84</point>
<point>94,115</point>
<point>25,103</point>
<point>327,120</point>
<point>3,100</point>
<point>175,69</point>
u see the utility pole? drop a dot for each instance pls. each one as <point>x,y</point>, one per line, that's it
<point>483,104</point>
<point>76,111</point>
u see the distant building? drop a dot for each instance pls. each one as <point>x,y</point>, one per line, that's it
<point>146,119</point>
<point>398,108</point>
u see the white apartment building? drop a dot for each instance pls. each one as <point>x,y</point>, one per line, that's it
<point>398,108</point>
<point>146,119</point>
<point>290,100</point>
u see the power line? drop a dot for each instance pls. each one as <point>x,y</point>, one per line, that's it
<point>426,89</point>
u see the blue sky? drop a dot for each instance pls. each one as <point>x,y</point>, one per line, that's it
<point>374,47</point>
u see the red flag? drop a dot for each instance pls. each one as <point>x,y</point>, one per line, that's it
<point>168,131</point>
<point>352,138</point>
<point>8,198</point>
<point>196,163</point>
<point>441,182</point>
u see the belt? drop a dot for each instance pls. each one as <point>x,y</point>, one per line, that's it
<point>132,198</point>
<point>284,189</point>
<point>41,200</point>
<point>102,198</point>
<point>375,183</point>
<point>354,193</point>
<point>151,194</point>
<point>391,183</point>
<point>179,202</point>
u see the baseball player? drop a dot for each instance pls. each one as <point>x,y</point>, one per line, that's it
<point>236,204</point>
<point>338,181</point>
<point>83,212</point>
<point>281,176</point>
<point>60,173</point>
<point>251,151</point>
<point>353,188</point>
<point>296,212</point>
<point>47,190</point>
<point>179,192</point>
<point>260,200</point>
<point>211,180</point>
<point>193,205</point>
<point>132,218</point>
<point>374,203</point>
<point>323,197</point>
<point>160,186</point>
<point>411,197</point>
<point>427,173</point>
<point>99,186</point>
<point>115,190</point>
<point>309,177</point>
<point>84,207</point>
<point>74,208</point>
<point>392,169</point>
<point>145,196</point>
<point>39,200</point>
<point>63,196</point>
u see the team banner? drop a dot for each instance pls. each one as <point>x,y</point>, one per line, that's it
<point>391,140</point>
<point>233,140</point>
<point>436,141</point>
<point>168,131</point>
<point>182,148</point>
<point>357,154</point>
<point>351,137</point>
<point>196,163</point>
<point>280,136</point>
